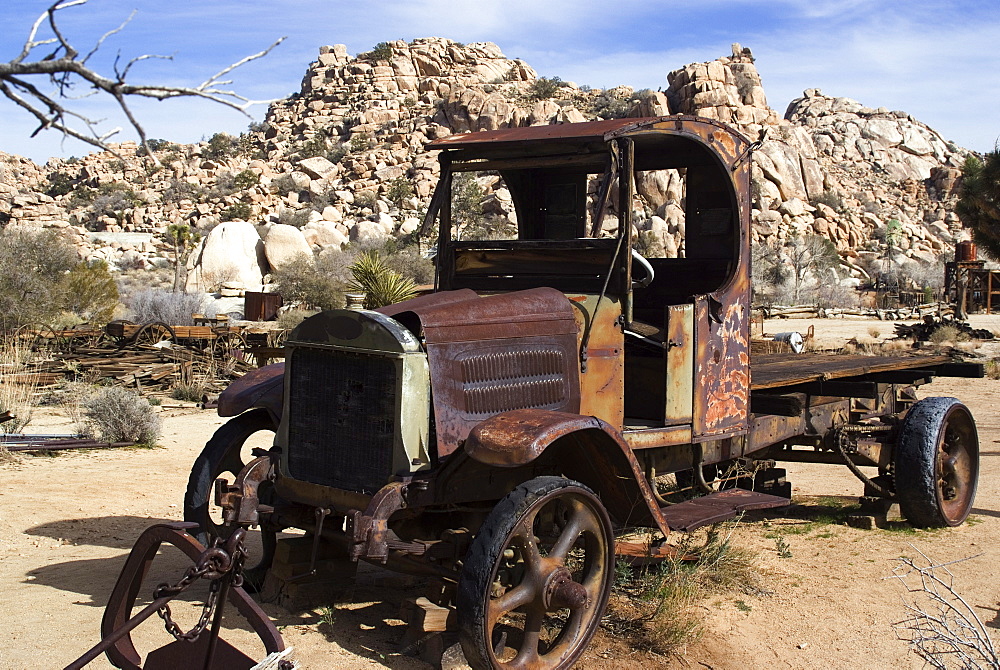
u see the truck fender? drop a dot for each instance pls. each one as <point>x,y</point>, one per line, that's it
<point>263,387</point>
<point>583,448</point>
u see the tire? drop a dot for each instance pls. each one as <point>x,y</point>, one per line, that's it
<point>222,455</point>
<point>561,572</point>
<point>936,464</point>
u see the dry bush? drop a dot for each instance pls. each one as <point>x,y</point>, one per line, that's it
<point>174,309</point>
<point>947,334</point>
<point>657,608</point>
<point>116,414</point>
<point>943,629</point>
<point>190,391</point>
<point>993,368</point>
<point>19,398</point>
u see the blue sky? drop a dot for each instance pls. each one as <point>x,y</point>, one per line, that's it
<point>937,60</point>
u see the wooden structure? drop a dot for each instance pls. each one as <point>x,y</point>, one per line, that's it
<point>982,293</point>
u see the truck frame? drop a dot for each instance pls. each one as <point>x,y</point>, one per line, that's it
<point>498,433</point>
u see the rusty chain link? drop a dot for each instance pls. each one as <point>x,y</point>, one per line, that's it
<point>215,563</point>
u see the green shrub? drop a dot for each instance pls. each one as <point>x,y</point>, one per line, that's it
<point>399,190</point>
<point>240,211</point>
<point>831,198</point>
<point>360,142</point>
<point>119,415</point>
<point>319,282</point>
<point>60,183</point>
<point>544,88</point>
<point>295,217</point>
<point>91,292</point>
<point>246,179</point>
<point>220,146</point>
<point>33,269</point>
<point>317,146</point>
<point>365,198</point>
<point>337,153</point>
<point>381,51</point>
<point>193,392</point>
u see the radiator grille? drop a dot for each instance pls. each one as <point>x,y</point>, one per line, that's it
<point>342,419</point>
<point>506,380</point>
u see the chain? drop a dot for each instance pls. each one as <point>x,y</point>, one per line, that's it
<point>215,564</point>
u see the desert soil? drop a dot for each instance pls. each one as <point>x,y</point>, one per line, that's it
<point>67,522</point>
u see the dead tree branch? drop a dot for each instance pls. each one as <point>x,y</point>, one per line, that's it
<point>67,71</point>
<point>943,628</point>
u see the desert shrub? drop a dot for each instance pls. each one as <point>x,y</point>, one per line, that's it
<point>116,414</point>
<point>337,153</point>
<point>225,184</point>
<point>179,190</point>
<point>60,183</point>
<point>544,88</point>
<point>33,268</point>
<point>91,291</point>
<point>381,51</point>
<point>607,106</point>
<point>240,211</point>
<point>220,146</point>
<point>114,198</point>
<point>945,333</point>
<point>174,309</point>
<point>18,399</point>
<point>188,391</point>
<point>317,146</point>
<point>365,198</point>
<point>831,198</point>
<point>293,317</point>
<point>993,368</point>
<point>409,262</point>
<point>295,217</point>
<point>319,282</point>
<point>399,190</point>
<point>360,142</point>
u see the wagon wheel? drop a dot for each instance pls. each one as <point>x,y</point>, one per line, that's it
<point>228,345</point>
<point>936,464</point>
<point>36,336</point>
<point>117,330</point>
<point>536,580</point>
<point>153,332</point>
<point>225,454</point>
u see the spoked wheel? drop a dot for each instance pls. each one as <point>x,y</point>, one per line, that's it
<point>937,463</point>
<point>225,455</point>
<point>153,333</point>
<point>537,577</point>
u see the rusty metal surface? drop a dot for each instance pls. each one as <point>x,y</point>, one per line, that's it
<point>715,507</point>
<point>498,353</point>
<point>123,653</point>
<point>262,387</point>
<point>588,131</point>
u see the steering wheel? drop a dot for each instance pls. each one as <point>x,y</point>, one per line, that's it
<point>648,279</point>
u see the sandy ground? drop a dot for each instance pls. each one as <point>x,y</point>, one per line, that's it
<point>67,522</point>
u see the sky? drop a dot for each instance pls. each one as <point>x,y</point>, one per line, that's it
<point>934,59</point>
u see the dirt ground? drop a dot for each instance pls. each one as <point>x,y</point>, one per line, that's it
<point>67,522</point>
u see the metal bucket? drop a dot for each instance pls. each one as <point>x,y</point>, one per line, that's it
<point>793,339</point>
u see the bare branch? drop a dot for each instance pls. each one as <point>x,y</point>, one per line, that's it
<point>107,35</point>
<point>65,70</point>
<point>943,628</point>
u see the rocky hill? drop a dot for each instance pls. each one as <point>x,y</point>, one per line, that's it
<point>344,160</point>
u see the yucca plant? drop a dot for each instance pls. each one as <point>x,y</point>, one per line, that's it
<point>381,284</point>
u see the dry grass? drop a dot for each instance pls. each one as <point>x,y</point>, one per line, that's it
<point>658,608</point>
<point>993,368</point>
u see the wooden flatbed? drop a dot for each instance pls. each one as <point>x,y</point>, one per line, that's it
<point>772,371</point>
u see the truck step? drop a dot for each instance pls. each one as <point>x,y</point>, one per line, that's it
<point>716,507</point>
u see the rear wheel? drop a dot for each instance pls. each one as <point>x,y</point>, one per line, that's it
<point>226,454</point>
<point>536,580</point>
<point>937,463</point>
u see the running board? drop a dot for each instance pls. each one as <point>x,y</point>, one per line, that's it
<point>716,507</point>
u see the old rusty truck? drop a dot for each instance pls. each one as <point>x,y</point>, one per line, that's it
<point>495,436</point>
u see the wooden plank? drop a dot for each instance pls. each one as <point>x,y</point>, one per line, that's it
<point>776,370</point>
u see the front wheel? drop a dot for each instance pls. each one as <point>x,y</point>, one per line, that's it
<point>536,580</point>
<point>226,454</point>
<point>937,463</point>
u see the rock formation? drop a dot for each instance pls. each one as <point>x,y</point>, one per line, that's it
<point>344,160</point>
